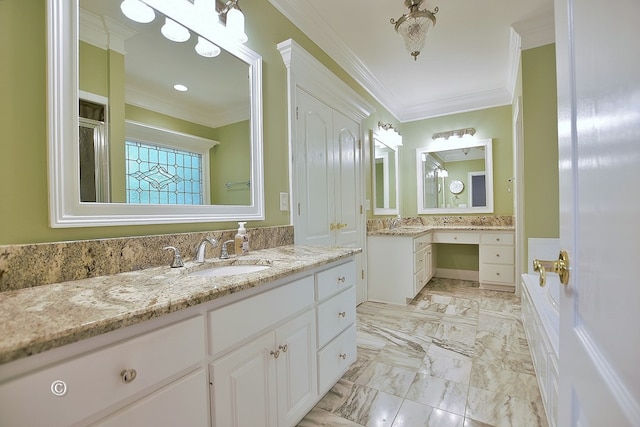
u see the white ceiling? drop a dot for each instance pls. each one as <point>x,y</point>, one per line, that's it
<point>469,61</point>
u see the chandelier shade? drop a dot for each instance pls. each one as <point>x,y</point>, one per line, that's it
<point>414,26</point>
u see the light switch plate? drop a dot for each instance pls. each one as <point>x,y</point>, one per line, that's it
<point>284,202</point>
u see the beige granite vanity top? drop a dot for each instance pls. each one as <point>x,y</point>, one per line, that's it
<point>44,317</point>
<point>419,230</point>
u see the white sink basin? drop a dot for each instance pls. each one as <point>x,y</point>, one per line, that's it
<point>229,270</point>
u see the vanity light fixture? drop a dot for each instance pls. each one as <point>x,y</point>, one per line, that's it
<point>234,21</point>
<point>458,133</point>
<point>174,31</point>
<point>206,48</point>
<point>230,14</point>
<point>137,11</point>
<point>414,26</point>
<point>389,135</point>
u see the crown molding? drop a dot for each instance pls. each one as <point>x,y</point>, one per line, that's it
<point>537,31</point>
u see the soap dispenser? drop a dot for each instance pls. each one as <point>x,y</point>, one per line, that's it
<point>242,240</point>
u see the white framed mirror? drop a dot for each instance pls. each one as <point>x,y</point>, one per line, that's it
<point>455,176</point>
<point>386,197</point>
<point>230,126</point>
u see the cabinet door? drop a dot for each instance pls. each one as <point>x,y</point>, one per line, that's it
<point>297,376</point>
<point>244,386</point>
<point>428,263</point>
<point>181,403</point>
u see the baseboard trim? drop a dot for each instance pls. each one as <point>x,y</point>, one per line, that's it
<point>451,273</point>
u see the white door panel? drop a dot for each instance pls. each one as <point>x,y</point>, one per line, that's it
<point>314,177</point>
<point>599,154</point>
<point>347,193</point>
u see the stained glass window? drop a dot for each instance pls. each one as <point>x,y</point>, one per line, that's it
<point>163,175</point>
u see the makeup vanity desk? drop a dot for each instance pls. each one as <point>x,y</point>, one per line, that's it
<point>400,261</point>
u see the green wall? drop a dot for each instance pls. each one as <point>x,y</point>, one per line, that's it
<point>494,123</point>
<point>539,99</point>
<point>232,151</point>
<point>23,151</point>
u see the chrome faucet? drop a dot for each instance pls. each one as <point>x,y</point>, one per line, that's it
<point>395,222</point>
<point>224,253</point>
<point>202,246</point>
<point>177,259</point>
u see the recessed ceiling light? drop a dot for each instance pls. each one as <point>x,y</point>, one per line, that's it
<point>180,88</point>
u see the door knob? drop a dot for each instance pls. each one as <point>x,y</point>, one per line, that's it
<point>560,266</point>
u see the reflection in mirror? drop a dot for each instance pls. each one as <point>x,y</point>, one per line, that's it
<point>146,68</point>
<point>455,176</point>
<point>385,172</point>
<point>198,157</point>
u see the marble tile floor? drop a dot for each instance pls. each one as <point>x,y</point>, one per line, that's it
<point>457,356</point>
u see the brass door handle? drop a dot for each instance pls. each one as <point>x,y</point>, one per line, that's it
<point>560,266</point>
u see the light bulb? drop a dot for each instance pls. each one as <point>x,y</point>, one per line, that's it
<point>137,11</point>
<point>206,48</point>
<point>235,25</point>
<point>174,31</point>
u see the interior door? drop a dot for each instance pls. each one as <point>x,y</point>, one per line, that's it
<point>314,177</point>
<point>347,192</point>
<point>599,158</point>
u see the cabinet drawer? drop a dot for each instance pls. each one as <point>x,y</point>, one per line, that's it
<point>233,323</point>
<point>182,403</point>
<point>456,237</point>
<point>497,254</point>
<point>90,383</point>
<point>335,359</point>
<point>496,239</point>
<point>335,315</point>
<point>336,279</point>
<point>421,242</point>
<point>496,273</point>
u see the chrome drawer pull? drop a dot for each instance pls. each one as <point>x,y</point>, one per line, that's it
<point>128,375</point>
<point>341,279</point>
<point>275,354</point>
<point>284,348</point>
<point>342,314</point>
<point>343,356</point>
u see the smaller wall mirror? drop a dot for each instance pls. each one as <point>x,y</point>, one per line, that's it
<point>386,198</point>
<point>455,176</point>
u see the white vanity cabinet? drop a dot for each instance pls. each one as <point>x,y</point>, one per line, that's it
<point>336,311</point>
<point>497,260</point>
<point>270,380</point>
<point>398,266</point>
<point>252,358</point>
<point>147,369</point>
<point>286,344</point>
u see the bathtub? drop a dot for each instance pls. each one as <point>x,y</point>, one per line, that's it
<point>541,321</point>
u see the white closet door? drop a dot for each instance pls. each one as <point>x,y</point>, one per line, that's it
<point>347,181</point>
<point>314,180</point>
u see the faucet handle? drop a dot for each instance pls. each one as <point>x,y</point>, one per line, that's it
<point>177,259</point>
<point>212,240</point>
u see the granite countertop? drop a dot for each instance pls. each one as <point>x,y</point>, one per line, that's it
<point>40,318</point>
<point>419,230</point>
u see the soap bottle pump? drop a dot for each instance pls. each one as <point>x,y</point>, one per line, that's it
<point>242,240</point>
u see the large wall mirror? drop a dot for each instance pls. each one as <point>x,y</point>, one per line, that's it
<point>386,198</point>
<point>126,146</point>
<point>455,176</point>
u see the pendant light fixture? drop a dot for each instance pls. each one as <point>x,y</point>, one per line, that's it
<point>414,26</point>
